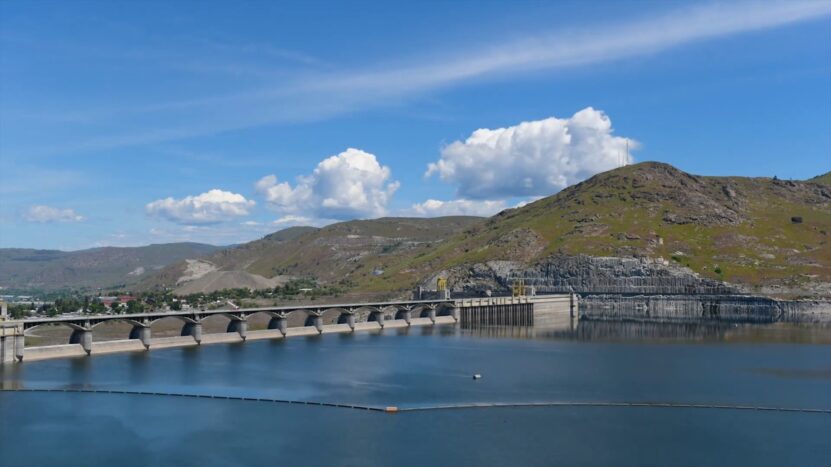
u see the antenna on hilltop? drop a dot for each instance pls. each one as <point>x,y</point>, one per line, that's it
<point>626,160</point>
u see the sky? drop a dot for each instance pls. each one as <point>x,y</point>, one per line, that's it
<point>130,123</point>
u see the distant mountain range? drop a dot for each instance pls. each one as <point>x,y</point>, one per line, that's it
<point>109,267</point>
<point>757,233</point>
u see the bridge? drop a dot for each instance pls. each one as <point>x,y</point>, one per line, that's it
<point>314,319</point>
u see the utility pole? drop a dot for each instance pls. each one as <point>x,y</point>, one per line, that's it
<point>626,160</point>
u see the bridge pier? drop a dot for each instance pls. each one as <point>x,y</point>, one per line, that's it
<point>12,332</point>
<point>378,317</point>
<point>316,321</point>
<point>572,302</point>
<point>406,316</point>
<point>278,322</point>
<point>19,345</point>
<point>83,337</point>
<point>11,343</point>
<point>239,326</point>
<point>194,330</point>
<point>142,333</point>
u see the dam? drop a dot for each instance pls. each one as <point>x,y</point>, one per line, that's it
<point>315,319</point>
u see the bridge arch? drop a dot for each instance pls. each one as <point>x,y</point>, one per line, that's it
<point>403,312</point>
<point>63,324</point>
<point>168,326</point>
<point>337,315</point>
<point>223,322</point>
<point>447,309</point>
<point>119,319</point>
<point>183,318</point>
<point>298,317</point>
<point>424,311</point>
<point>259,314</point>
<point>368,314</point>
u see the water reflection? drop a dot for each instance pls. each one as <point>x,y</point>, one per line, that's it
<point>638,331</point>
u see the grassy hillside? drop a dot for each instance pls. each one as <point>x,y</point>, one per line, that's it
<point>824,179</point>
<point>730,228</point>
<point>751,231</point>
<point>47,270</point>
<point>347,252</point>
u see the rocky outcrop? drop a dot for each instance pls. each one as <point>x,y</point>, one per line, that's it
<point>641,289</point>
<point>583,275</point>
<point>590,275</point>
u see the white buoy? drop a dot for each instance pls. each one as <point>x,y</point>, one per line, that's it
<point>477,376</point>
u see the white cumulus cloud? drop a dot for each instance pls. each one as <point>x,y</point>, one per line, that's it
<point>211,207</point>
<point>534,158</point>
<point>348,185</point>
<point>41,213</point>
<point>458,207</point>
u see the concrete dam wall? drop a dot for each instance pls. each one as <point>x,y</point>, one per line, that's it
<point>644,289</point>
<point>681,308</point>
<point>517,311</point>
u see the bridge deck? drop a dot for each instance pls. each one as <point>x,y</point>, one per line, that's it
<point>475,311</point>
<point>244,311</point>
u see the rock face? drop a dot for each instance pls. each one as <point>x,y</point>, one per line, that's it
<point>583,275</point>
<point>641,289</point>
<point>631,276</point>
<point>743,231</point>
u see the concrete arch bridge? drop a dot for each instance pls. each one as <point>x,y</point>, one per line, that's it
<point>307,319</point>
<point>283,321</point>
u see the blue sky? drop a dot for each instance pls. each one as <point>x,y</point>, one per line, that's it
<point>128,123</point>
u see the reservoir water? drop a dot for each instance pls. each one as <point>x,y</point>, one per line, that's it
<point>425,367</point>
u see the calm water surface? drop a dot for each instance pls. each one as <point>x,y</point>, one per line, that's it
<point>421,367</point>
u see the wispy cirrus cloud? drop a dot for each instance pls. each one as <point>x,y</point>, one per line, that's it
<point>314,95</point>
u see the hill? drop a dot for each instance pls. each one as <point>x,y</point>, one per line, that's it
<point>824,179</point>
<point>345,253</point>
<point>48,270</point>
<point>758,233</point>
<point>637,222</point>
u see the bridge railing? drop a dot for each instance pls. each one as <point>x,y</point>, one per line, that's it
<point>490,301</point>
<point>274,309</point>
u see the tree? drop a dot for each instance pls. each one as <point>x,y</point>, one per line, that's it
<point>18,311</point>
<point>67,305</point>
<point>96,307</point>
<point>50,310</point>
<point>135,306</point>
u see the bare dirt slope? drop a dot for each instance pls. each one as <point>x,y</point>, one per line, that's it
<point>344,253</point>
